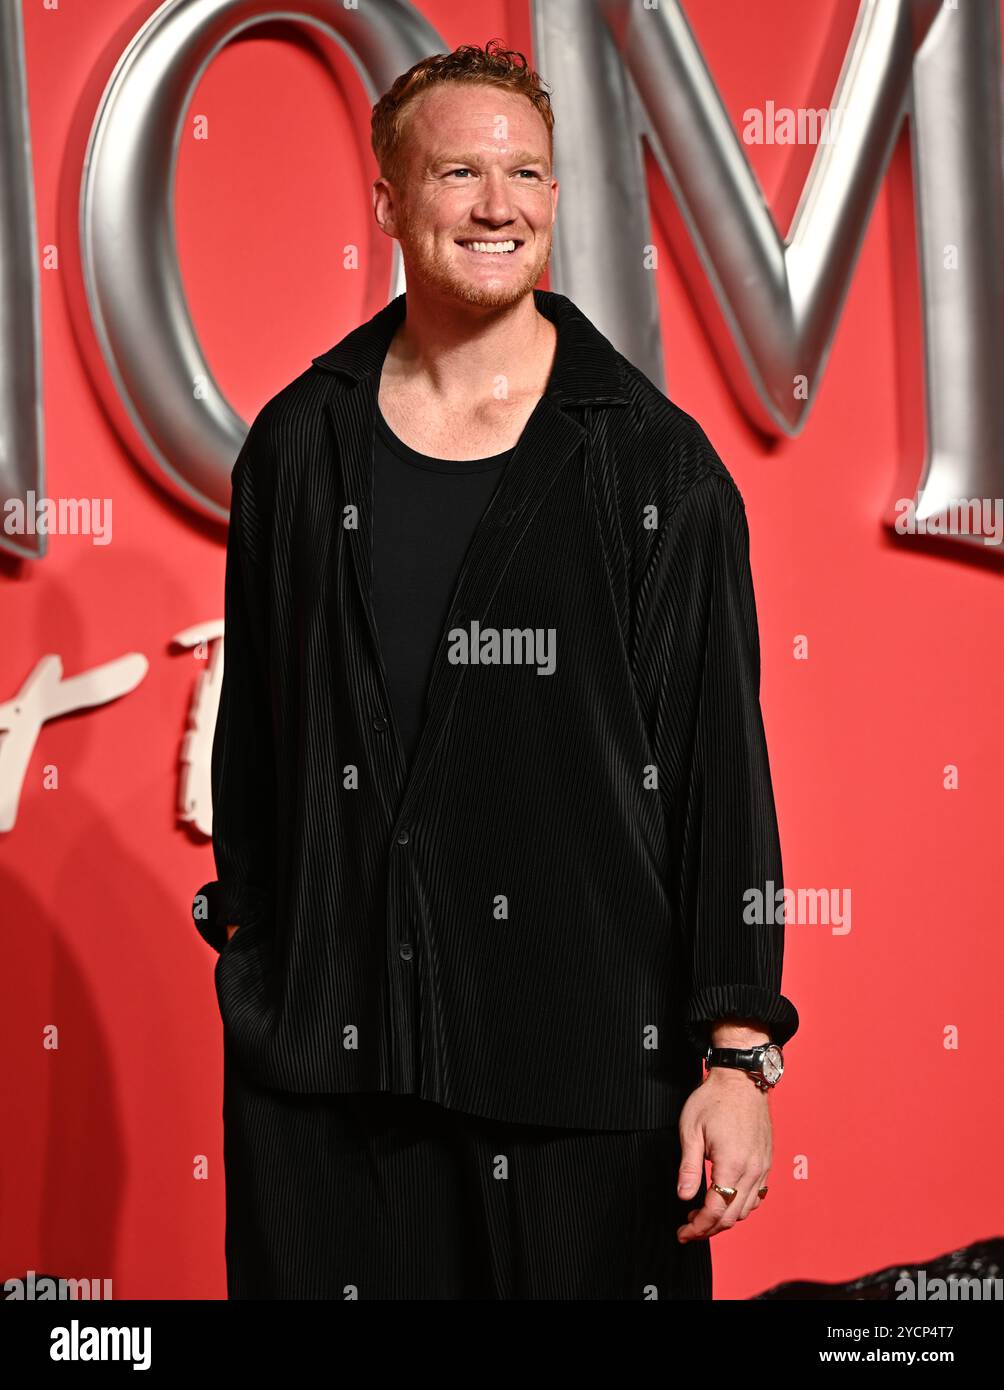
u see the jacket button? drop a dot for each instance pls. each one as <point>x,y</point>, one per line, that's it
<point>402,837</point>
<point>406,951</point>
<point>379,722</point>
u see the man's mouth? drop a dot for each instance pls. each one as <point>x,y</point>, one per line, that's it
<point>481,246</point>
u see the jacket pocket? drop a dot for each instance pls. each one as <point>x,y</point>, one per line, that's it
<point>243,934</point>
<point>243,994</point>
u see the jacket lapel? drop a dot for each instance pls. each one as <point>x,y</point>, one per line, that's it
<point>584,371</point>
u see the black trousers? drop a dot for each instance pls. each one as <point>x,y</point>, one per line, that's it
<point>377,1196</point>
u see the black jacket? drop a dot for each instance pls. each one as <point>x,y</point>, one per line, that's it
<point>538,920</point>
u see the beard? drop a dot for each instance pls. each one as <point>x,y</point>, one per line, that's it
<point>435,267</point>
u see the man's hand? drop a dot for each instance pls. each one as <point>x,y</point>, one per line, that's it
<point>231,928</point>
<point>727,1120</point>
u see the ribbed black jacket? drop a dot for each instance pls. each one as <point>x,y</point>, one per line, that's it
<point>538,920</point>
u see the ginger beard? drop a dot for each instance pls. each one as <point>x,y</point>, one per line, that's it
<point>434,260</point>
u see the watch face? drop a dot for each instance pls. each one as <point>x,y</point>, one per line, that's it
<point>772,1064</point>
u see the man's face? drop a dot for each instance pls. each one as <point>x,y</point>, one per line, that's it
<point>477,170</point>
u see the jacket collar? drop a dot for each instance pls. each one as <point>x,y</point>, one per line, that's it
<point>586,368</point>
<point>586,371</point>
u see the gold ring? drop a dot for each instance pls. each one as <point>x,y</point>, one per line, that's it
<point>727,1192</point>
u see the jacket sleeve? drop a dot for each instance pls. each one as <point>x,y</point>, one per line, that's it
<point>703,672</point>
<point>242,764</point>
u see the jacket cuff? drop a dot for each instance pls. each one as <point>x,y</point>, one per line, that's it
<point>777,1014</point>
<point>219,903</point>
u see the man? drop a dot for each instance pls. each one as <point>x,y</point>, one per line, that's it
<point>489,778</point>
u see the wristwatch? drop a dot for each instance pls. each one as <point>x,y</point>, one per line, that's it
<point>765,1062</point>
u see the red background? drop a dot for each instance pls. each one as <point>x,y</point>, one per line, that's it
<point>896,1133</point>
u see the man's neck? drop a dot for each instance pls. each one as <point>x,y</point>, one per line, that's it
<point>461,357</point>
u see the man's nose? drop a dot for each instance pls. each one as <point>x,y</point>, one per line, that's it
<point>494,201</point>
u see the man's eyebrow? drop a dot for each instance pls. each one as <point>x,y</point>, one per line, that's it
<point>517,157</point>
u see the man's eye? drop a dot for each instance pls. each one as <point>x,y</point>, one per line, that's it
<point>532,172</point>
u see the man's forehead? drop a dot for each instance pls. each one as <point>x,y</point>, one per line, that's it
<point>480,112</point>
<point>471,150</point>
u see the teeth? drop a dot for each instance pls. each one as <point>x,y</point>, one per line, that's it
<point>492,248</point>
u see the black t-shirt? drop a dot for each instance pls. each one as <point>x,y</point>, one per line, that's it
<point>425,513</point>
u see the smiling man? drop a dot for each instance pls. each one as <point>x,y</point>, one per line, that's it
<point>476,929</point>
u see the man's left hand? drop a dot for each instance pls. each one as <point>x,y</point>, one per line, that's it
<point>727,1120</point>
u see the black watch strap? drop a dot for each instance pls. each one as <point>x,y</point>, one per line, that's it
<point>746,1058</point>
